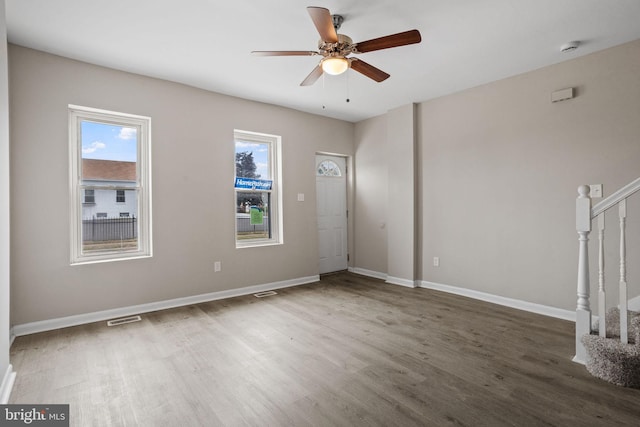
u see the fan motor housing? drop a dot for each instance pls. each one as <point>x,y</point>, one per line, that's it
<point>343,46</point>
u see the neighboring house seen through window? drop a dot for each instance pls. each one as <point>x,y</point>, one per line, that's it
<point>109,151</point>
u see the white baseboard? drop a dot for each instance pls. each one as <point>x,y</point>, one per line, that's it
<point>6,385</point>
<point>369,273</point>
<point>495,299</point>
<point>80,319</point>
<point>508,302</point>
<point>402,282</point>
<point>383,276</point>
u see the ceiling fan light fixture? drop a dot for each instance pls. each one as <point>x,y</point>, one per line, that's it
<point>335,65</point>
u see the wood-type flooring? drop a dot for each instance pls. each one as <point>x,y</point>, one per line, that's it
<point>346,351</point>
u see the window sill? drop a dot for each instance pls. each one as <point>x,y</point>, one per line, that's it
<point>257,244</point>
<point>102,259</point>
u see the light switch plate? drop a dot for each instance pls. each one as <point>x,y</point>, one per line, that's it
<point>301,197</point>
<point>596,190</point>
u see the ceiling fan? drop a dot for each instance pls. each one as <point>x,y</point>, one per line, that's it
<point>335,48</point>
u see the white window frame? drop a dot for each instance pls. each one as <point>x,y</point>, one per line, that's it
<point>78,114</point>
<point>275,209</point>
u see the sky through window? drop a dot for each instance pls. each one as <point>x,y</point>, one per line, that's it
<point>103,141</point>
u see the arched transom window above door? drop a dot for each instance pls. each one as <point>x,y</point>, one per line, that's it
<point>328,168</point>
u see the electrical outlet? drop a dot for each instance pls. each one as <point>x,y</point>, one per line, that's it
<point>436,261</point>
<point>217,266</point>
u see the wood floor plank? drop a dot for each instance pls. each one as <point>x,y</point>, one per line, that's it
<point>346,351</point>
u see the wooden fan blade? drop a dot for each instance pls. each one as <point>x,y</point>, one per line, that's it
<point>284,53</point>
<point>386,42</point>
<point>321,18</point>
<point>369,70</point>
<point>312,77</point>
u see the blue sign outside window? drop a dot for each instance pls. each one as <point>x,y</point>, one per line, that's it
<point>253,184</point>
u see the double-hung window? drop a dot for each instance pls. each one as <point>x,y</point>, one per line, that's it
<point>110,153</point>
<point>258,203</point>
<point>89,196</point>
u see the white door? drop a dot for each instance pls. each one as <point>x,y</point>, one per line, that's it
<point>331,194</point>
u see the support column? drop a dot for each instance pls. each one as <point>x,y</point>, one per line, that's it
<point>401,222</point>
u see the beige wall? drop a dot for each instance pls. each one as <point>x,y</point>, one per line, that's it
<point>501,165</point>
<point>498,170</point>
<point>498,167</point>
<point>371,197</point>
<point>193,168</point>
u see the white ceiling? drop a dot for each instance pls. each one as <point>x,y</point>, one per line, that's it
<point>207,43</point>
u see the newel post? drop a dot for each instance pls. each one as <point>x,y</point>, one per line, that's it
<point>583,309</point>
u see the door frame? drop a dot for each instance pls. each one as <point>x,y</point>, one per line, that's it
<point>350,202</point>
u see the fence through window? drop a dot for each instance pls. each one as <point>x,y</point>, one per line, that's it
<point>100,234</point>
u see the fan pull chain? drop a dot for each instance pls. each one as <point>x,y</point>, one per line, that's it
<point>324,92</point>
<point>347,77</point>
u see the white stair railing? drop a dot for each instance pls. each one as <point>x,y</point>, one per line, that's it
<point>584,216</point>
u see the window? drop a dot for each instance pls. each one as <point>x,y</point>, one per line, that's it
<point>329,168</point>
<point>109,151</point>
<point>89,196</point>
<point>258,205</point>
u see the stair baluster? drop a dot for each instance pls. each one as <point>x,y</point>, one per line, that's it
<point>624,324</point>
<point>602,296</point>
